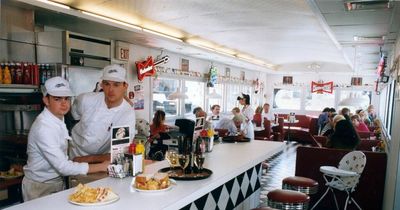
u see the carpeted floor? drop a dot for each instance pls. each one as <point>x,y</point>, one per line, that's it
<point>281,166</point>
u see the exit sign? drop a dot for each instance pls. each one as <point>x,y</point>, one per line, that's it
<point>123,53</point>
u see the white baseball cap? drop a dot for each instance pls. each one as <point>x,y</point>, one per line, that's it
<point>57,86</point>
<point>114,73</point>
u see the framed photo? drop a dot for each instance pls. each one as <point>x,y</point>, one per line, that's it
<point>356,81</point>
<point>242,75</point>
<point>287,80</point>
<point>184,64</point>
<point>227,72</point>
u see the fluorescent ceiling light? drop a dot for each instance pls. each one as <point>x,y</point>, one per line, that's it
<point>113,20</point>
<point>55,4</point>
<point>162,35</point>
<point>369,38</point>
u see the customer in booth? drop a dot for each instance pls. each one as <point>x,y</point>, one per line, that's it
<point>328,128</point>
<point>232,125</point>
<point>267,113</point>
<point>257,118</point>
<point>344,136</point>
<point>98,113</point>
<point>371,113</point>
<point>158,125</point>
<point>248,113</point>
<point>323,118</point>
<point>363,117</point>
<point>345,112</point>
<point>215,115</point>
<point>235,110</point>
<point>358,124</point>
<point>48,144</point>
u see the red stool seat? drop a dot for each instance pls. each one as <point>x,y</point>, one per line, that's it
<point>287,199</point>
<point>301,184</point>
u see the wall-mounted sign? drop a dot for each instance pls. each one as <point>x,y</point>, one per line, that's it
<point>321,87</point>
<point>122,53</point>
<point>147,67</point>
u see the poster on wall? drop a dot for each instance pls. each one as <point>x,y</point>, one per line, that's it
<point>242,75</point>
<point>287,80</point>
<point>139,97</point>
<point>184,64</point>
<point>356,81</point>
<point>227,72</point>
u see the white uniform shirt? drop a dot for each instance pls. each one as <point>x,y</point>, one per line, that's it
<point>92,134</point>
<point>247,125</point>
<point>47,150</point>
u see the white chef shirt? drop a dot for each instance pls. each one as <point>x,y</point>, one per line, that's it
<point>47,150</point>
<point>247,125</point>
<point>92,134</point>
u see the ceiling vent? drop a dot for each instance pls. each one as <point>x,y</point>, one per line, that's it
<point>351,5</point>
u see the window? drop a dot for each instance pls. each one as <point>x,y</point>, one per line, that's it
<point>287,99</point>
<point>195,96</point>
<point>162,88</point>
<point>233,91</point>
<point>354,99</point>
<point>215,96</point>
<point>317,102</point>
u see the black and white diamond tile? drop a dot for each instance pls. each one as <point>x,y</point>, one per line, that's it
<point>281,166</point>
<point>243,188</point>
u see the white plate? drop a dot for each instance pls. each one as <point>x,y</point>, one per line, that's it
<point>133,188</point>
<point>112,198</point>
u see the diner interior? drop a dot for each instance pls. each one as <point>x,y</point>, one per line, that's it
<point>309,61</point>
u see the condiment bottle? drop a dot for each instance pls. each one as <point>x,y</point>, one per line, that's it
<point>7,76</point>
<point>1,72</point>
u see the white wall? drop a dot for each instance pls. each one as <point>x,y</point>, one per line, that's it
<point>140,53</point>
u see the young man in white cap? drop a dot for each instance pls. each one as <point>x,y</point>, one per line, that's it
<point>47,145</point>
<point>97,113</point>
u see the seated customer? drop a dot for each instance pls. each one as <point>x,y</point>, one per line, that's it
<point>257,118</point>
<point>344,136</point>
<point>328,128</point>
<point>232,125</point>
<point>358,124</point>
<point>158,125</point>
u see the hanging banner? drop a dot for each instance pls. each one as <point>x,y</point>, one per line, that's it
<point>321,87</point>
<point>147,67</point>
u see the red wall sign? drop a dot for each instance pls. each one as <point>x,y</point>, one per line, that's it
<point>321,87</point>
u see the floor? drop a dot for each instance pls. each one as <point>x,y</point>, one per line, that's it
<point>281,166</point>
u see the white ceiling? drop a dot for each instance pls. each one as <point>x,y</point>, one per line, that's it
<point>291,34</point>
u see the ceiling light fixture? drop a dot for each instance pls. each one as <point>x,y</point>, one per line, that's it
<point>314,66</point>
<point>55,4</point>
<point>113,21</point>
<point>352,5</point>
<point>162,35</point>
<point>372,39</point>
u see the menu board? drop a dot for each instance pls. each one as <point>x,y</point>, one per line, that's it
<point>119,142</point>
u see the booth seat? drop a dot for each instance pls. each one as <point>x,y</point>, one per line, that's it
<point>369,191</point>
<point>365,145</point>
<point>300,131</point>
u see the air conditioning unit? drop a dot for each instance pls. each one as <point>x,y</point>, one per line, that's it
<point>351,5</point>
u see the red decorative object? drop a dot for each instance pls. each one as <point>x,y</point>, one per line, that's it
<point>147,67</point>
<point>321,87</point>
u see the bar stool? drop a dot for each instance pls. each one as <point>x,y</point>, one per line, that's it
<point>300,184</point>
<point>288,199</point>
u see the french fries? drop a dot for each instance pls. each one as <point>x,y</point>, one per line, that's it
<point>86,194</point>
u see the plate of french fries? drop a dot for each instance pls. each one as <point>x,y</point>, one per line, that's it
<point>92,196</point>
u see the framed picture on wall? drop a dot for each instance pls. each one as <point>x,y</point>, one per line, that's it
<point>227,72</point>
<point>184,64</point>
<point>242,75</point>
<point>287,80</point>
<point>356,81</point>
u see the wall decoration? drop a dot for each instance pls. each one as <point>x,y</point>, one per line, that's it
<point>257,86</point>
<point>287,80</point>
<point>213,76</point>
<point>356,81</point>
<point>139,97</point>
<point>147,67</point>
<point>242,75</point>
<point>320,87</point>
<point>184,64</point>
<point>227,72</point>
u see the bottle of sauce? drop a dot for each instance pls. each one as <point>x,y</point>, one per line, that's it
<point>18,74</point>
<point>140,150</point>
<point>7,75</point>
<point>1,73</point>
<point>27,74</point>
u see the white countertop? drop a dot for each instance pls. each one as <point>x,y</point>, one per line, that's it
<point>227,161</point>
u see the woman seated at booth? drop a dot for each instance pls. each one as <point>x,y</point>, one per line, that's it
<point>158,126</point>
<point>344,136</point>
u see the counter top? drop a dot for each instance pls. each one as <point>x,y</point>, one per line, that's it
<point>227,161</point>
